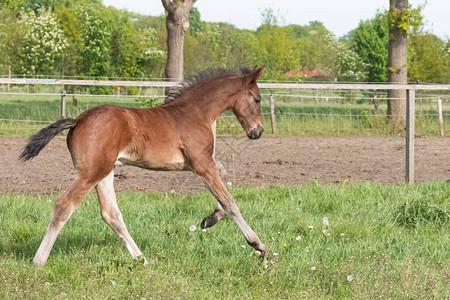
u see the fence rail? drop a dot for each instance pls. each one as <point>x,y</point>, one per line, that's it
<point>311,87</point>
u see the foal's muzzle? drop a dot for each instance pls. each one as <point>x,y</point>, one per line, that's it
<point>255,133</point>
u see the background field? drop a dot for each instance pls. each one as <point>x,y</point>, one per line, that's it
<point>384,242</point>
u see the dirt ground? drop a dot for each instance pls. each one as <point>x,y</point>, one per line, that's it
<point>269,161</point>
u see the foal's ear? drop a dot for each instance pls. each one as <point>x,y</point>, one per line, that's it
<point>256,74</point>
<point>259,72</point>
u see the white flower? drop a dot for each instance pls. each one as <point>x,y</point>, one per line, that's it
<point>266,266</point>
<point>258,253</point>
<point>342,234</point>
<point>275,254</point>
<point>192,228</point>
<point>313,268</point>
<point>311,227</point>
<point>325,221</point>
<point>204,230</point>
<point>229,183</point>
<point>299,238</point>
<point>172,191</point>
<point>243,246</point>
<point>350,278</point>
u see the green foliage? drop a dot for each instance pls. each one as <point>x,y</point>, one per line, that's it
<point>102,42</point>
<point>367,255</point>
<point>149,102</point>
<point>429,60</point>
<point>370,40</point>
<point>44,43</point>
<point>410,18</point>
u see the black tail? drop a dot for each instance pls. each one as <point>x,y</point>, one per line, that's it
<point>38,141</point>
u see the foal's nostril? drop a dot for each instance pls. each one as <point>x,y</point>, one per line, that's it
<point>255,133</point>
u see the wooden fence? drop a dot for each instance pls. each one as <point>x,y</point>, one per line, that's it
<point>410,99</point>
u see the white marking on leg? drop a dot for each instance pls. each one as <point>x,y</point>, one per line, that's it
<point>112,216</point>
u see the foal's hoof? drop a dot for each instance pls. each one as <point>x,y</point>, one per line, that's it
<point>209,222</point>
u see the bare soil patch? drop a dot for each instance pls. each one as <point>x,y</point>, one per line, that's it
<point>269,161</point>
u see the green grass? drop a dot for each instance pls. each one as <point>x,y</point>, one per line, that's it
<point>392,240</point>
<point>291,118</point>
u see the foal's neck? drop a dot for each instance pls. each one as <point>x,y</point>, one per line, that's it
<point>211,101</point>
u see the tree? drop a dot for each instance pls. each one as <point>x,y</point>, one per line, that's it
<point>11,41</point>
<point>429,60</point>
<point>44,43</point>
<point>397,60</point>
<point>177,24</point>
<point>401,19</point>
<point>347,65</point>
<point>370,41</point>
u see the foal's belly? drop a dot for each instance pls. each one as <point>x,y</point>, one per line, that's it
<point>174,162</point>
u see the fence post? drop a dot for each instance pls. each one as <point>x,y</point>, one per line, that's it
<point>272,115</point>
<point>410,124</point>
<point>441,118</point>
<point>63,104</point>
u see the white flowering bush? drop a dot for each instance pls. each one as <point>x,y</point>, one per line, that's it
<point>349,66</point>
<point>44,43</point>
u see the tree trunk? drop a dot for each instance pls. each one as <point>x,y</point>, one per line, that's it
<point>177,24</point>
<point>397,71</point>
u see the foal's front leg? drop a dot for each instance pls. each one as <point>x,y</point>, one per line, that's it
<point>209,172</point>
<point>219,212</point>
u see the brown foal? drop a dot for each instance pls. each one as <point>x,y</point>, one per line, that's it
<point>174,136</point>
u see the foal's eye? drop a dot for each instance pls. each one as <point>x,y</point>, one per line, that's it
<point>257,100</point>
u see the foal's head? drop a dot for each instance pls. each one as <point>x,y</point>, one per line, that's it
<point>247,104</point>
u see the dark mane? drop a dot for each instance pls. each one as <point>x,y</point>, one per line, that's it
<point>205,75</point>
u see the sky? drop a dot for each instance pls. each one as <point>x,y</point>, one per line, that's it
<point>338,16</point>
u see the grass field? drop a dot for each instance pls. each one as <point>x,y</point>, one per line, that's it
<point>382,242</point>
<point>291,118</point>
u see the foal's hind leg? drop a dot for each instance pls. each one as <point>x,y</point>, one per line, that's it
<point>63,209</point>
<point>219,212</point>
<point>111,214</point>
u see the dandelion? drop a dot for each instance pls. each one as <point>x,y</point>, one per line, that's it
<point>350,278</point>
<point>298,238</point>
<point>284,245</point>
<point>357,202</point>
<point>192,228</point>
<point>313,268</point>
<point>325,221</point>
